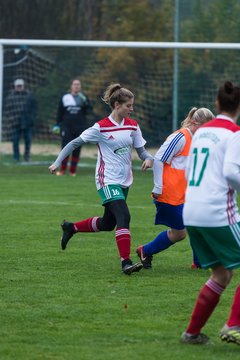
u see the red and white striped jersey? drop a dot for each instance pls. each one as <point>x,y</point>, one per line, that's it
<point>115,143</point>
<point>210,201</point>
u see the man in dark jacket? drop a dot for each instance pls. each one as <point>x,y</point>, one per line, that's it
<point>21,112</point>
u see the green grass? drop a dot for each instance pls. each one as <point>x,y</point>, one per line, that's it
<point>77,304</point>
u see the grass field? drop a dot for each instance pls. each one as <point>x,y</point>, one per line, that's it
<point>76,304</point>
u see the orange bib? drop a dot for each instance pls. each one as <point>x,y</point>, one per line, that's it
<point>174,180</point>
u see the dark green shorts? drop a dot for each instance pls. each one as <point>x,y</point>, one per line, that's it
<point>112,192</point>
<point>216,246</point>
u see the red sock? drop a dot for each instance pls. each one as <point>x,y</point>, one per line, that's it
<point>87,225</point>
<point>123,239</point>
<point>74,162</point>
<point>207,300</point>
<point>64,164</point>
<point>234,318</point>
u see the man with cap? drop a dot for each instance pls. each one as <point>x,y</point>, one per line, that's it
<point>20,110</point>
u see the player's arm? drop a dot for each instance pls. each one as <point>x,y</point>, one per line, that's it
<point>231,172</point>
<point>60,112</point>
<point>157,178</point>
<point>171,147</point>
<point>66,151</point>
<point>146,157</point>
<point>231,165</point>
<point>88,105</point>
<point>138,144</point>
<point>90,135</point>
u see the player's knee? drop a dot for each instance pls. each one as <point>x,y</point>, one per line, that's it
<point>106,225</point>
<point>124,220</point>
<point>180,237</point>
<point>228,277</point>
<point>127,217</point>
<point>176,235</point>
<point>222,276</point>
<point>109,227</point>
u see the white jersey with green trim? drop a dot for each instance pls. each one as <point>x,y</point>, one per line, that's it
<point>210,200</point>
<point>115,143</point>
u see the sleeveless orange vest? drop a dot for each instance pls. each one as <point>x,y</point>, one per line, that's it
<point>173,179</point>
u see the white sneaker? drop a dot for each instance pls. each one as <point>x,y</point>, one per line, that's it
<point>230,334</point>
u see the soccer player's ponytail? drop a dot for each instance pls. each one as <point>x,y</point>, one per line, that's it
<point>228,97</point>
<point>115,92</point>
<point>197,116</point>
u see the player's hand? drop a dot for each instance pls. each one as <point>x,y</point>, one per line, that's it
<point>52,168</point>
<point>155,196</point>
<point>56,130</point>
<point>147,164</point>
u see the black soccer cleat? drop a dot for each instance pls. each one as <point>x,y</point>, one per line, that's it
<point>68,232</point>
<point>128,267</point>
<point>198,339</point>
<point>146,260</point>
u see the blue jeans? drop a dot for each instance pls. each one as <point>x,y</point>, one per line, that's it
<point>27,136</point>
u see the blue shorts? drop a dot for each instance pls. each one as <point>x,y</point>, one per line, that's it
<point>169,215</point>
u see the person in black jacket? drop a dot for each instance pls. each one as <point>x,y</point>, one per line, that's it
<point>71,121</point>
<point>21,108</point>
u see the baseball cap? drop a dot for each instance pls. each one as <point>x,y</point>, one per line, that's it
<point>19,82</point>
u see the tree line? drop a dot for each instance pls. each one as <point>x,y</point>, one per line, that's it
<point>200,71</point>
<point>140,20</point>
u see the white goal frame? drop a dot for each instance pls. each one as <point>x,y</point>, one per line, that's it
<point>114,44</point>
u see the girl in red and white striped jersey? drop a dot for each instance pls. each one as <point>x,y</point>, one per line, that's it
<point>116,136</point>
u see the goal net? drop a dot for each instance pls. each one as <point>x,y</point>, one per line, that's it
<point>148,72</point>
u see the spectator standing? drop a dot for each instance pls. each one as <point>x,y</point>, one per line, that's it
<point>71,121</point>
<point>21,108</point>
<point>211,213</point>
<point>116,136</point>
<point>170,185</point>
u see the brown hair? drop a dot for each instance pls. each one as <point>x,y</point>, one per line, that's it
<point>115,92</point>
<point>72,81</point>
<point>197,116</point>
<point>228,97</point>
